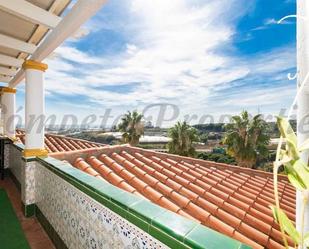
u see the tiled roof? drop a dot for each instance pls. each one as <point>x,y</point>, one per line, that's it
<point>57,143</point>
<point>232,200</point>
<point>19,133</point>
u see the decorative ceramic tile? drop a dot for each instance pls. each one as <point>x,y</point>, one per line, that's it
<point>16,162</point>
<point>6,155</point>
<point>81,221</point>
<point>28,182</point>
<point>24,173</point>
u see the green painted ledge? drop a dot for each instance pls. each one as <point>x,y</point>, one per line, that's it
<point>18,146</point>
<point>21,147</point>
<point>171,229</point>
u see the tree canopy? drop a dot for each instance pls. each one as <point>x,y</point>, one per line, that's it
<point>132,127</point>
<point>182,138</point>
<point>247,139</point>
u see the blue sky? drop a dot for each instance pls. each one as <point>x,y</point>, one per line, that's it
<point>205,57</point>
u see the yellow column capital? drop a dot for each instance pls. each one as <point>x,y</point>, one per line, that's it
<point>35,152</point>
<point>31,64</point>
<point>7,90</point>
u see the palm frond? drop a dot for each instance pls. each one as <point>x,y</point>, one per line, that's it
<point>246,138</point>
<point>132,127</point>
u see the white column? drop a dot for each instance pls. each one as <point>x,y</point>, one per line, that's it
<point>35,109</point>
<point>8,111</point>
<point>303,99</point>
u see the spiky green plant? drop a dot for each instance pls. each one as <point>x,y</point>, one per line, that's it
<point>246,139</point>
<point>132,127</point>
<point>182,138</point>
<point>298,174</point>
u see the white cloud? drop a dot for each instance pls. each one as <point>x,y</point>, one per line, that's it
<point>275,61</point>
<point>76,56</point>
<point>173,53</point>
<point>270,21</point>
<point>80,33</point>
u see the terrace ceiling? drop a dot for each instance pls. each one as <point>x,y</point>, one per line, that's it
<point>32,29</point>
<point>23,25</point>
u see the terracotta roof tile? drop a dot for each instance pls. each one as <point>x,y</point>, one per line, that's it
<point>57,143</point>
<point>82,165</point>
<point>232,200</point>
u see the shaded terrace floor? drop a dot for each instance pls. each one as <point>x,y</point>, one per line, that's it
<point>32,229</point>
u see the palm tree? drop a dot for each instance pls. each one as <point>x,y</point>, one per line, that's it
<point>182,137</point>
<point>246,139</point>
<point>132,127</point>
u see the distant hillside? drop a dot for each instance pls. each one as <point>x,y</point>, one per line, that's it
<point>219,128</point>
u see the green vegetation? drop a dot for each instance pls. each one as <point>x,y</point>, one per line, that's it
<point>203,138</point>
<point>274,131</point>
<point>156,146</point>
<point>246,139</point>
<point>183,136</point>
<point>97,137</point>
<point>210,131</point>
<point>297,171</point>
<point>207,142</point>
<point>220,127</point>
<point>218,155</point>
<point>215,131</point>
<point>132,127</point>
<point>266,164</point>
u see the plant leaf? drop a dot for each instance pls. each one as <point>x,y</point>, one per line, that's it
<point>302,171</point>
<point>304,146</point>
<point>286,130</point>
<point>294,178</point>
<point>287,225</point>
<point>284,157</point>
<point>306,239</point>
<point>291,148</point>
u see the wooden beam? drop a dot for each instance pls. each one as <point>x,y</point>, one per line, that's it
<point>7,71</point>
<point>76,17</point>
<point>10,61</point>
<point>57,7</point>
<point>30,12</point>
<point>9,42</point>
<point>5,79</point>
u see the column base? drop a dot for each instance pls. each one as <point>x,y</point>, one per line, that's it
<point>35,152</point>
<point>28,210</point>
